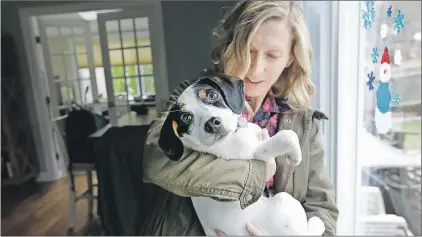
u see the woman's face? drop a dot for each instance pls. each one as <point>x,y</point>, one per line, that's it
<point>270,54</point>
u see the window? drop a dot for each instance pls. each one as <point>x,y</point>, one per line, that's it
<point>390,141</point>
<point>146,84</point>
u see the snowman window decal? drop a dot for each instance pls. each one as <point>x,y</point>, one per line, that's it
<point>383,96</point>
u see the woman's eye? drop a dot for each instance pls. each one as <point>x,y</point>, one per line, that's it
<point>186,118</point>
<point>272,56</point>
<point>212,95</point>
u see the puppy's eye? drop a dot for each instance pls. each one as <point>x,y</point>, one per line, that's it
<point>186,118</point>
<point>212,95</point>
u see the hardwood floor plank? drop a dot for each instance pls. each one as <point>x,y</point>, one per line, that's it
<point>44,211</point>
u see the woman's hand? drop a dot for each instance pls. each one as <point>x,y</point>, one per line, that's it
<point>252,230</point>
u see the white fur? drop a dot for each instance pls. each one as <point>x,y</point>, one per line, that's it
<point>278,215</point>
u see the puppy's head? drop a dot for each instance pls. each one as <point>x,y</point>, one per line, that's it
<point>205,114</point>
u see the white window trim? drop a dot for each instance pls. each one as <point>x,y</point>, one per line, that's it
<point>349,116</point>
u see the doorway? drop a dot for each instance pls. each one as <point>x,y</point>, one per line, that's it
<point>105,57</point>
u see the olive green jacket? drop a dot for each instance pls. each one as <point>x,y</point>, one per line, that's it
<point>199,174</point>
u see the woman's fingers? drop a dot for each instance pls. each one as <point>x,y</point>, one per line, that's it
<point>220,233</point>
<point>252,230</point>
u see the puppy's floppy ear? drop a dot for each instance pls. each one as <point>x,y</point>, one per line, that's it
<point>232,88</point>
<point>169,140</point>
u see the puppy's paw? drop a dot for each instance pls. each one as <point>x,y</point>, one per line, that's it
<point>315,226</point>
<point>289,144</point>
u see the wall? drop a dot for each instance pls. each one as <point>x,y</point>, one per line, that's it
<point>188,30</point>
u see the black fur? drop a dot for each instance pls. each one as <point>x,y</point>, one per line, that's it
<point>231,88</point>
<point>168,141</point>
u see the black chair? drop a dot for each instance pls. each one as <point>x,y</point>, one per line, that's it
<point>123,198</point>
<point>72,131</point>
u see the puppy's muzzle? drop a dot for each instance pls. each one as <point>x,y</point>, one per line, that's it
<point>213,126</point>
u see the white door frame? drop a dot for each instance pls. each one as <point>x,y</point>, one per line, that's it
<point>43,127</point>
<point>155,51</point>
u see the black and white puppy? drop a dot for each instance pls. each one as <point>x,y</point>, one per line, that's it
<point>207,118</point>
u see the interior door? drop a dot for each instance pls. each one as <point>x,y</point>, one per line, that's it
<point>67,48</point>
<point>127,52</point>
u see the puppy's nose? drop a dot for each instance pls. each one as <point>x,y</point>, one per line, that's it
<point>212,125</point>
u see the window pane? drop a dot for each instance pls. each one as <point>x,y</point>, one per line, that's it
<point>391,141</point>
<point>148,87</point>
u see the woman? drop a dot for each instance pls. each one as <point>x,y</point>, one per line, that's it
<point>266,43</point>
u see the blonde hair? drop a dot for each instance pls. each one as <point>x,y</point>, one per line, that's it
<point>232,37</point>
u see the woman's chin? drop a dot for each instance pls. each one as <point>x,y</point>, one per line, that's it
<point>255,92</point>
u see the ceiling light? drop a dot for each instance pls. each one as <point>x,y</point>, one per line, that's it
<point>92,15</point>
<point>417,36</point>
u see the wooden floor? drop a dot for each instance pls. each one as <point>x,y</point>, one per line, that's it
<point>41,209</point>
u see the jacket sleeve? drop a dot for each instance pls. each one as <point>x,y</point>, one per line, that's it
<point>319,200</point>
<point>199,174</point>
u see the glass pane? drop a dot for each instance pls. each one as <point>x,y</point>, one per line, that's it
<point>78,30</point>
<point>84,73</point>
<point>112,26</point>
<point>116,57</point>
<point>58,67</point>
<point>117,71</point>
<point>141,23</point>
<point>67,92</point>
<point>86,91</point>
<point>114,41</point>
<point>65,31</point>
<point>148,87</point>
<point>101,84</point>
<point>133,87</point>
<point>131,70</point>
<point>70,65</point>
<point>80,46</point>
<point>93,27</point>
<point>146,69</point>
<point>82,60</point>
<point>119,87</point>
<point>145,56</point>
<point>130,56</point>
<point>59,45</point>
<point>126,25</point>
<point>142,38</point>
<point>391,139</point>
<point>52,31</point>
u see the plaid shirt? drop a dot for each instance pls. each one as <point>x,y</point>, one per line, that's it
<point>267,117</point>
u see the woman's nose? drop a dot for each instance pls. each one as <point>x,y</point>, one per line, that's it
<point>257,64</point>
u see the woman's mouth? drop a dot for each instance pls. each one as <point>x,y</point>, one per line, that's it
<point>250,82</point>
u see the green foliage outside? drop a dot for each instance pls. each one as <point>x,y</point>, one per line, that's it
<point>131,77</point>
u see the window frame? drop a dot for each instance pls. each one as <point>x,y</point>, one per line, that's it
<point>349,115</point>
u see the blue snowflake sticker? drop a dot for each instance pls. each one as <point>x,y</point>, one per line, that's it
<point>375,55</point>
<point>396,99</point>
<point>398,22</point>
<point>368,15</point>
<point>371,79</point>
<point>389,11</point>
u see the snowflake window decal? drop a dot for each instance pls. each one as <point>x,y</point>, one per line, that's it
<point>375,55</point>
<point>368,15</point>
<point>371,79</point>
<point>396,99</point>
<point>398,22</point>
<point>389,11</point>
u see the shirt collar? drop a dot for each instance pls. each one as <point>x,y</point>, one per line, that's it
<point>270,103</point>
